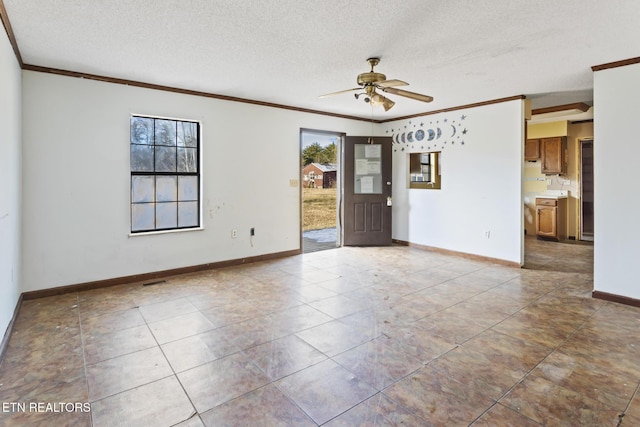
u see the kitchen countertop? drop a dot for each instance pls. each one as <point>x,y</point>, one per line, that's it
<point>553,194</point>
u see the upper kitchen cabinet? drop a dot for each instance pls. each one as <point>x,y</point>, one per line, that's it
<point>554,155</point>
<point>531,150</point>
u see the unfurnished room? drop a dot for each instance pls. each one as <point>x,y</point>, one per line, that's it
<point>337,213</point>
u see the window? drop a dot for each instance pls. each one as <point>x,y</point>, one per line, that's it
<point>424,170</point>
<point>165,174</point>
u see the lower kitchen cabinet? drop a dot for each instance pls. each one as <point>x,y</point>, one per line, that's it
<point>551,218</point>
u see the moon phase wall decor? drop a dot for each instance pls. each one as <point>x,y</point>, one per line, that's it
<point>432,136</point>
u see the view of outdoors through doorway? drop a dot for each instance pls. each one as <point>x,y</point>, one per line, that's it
<point>320,182</point>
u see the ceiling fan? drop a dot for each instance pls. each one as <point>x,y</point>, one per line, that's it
<point>371,81</point>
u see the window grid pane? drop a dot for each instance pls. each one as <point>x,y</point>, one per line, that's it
<point>165,174</point>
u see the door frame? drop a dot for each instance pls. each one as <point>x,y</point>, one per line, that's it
<point>340,141</point>
<point>581,142</point>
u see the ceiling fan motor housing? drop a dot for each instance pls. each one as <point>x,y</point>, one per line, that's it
<point>370,77</point>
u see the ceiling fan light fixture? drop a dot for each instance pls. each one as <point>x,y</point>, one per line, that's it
<point>387,104</point>
<point>377,99</point>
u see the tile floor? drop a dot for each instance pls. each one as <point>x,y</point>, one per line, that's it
<point>344,337</point>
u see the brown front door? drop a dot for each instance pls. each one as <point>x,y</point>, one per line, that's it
<point>367,191</point>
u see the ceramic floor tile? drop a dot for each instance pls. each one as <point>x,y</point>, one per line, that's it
<point>325,390</point>
<point>482,375</point>
<point>98,347</point>
<point>550,404</point>
<point>451,326</point>
<point>45,419</point>
<point>591,381</point>
<point>180,327</point>
<point>284,356</point>
<point>535,329</point>
<point>513,354</point>
<point>217,382</point>
<point>378,411</point>
<point>378,362</point>
<point>266,406</point>
<point>69,389</point>
<point>255,340</point>
<point>166,310</point>
<point>339,306</point>
<point>437,398</point>
<point>194,421</point>
<point>500,415</point>
<point>160,403</point>
<point>335,337</point>
<point>419,342</point>
<point>235,312</point>
<point>111,322</point>
<point>215,298</point>
<point>298,318</point>
<point>634,406</point>
<point>126,372</point>
<point>105,300</point>
<point>198,349</point>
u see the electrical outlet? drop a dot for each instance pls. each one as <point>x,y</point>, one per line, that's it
<point>234,234</point>
<point>252,231</point>
<point>487,234</point>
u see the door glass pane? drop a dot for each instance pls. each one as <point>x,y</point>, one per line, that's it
<point>367,169</point>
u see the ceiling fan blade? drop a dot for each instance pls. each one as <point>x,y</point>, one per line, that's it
<point>390,83</point>
<point>406,93</point>
<point>339,92</point>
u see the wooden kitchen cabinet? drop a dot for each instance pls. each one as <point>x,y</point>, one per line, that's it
<point>551,218</point>
<point>531,150</point>
<point>553,152</point>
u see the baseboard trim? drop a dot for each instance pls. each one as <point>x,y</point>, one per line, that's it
<point>7,334</point>
<point>616,298</point>
<point>153,276</point>
<point>460,254</point>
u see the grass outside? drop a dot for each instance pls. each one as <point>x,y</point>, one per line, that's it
<point>318,208</point>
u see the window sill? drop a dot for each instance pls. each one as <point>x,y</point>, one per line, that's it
<point>179,230</point>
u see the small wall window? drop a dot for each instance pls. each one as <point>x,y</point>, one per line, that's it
<point>165,174</point>
<point>424,170</point>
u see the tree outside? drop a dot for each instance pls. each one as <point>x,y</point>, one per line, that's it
<point>315,153</point>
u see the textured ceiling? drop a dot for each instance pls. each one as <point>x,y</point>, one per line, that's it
<point>291,51</point>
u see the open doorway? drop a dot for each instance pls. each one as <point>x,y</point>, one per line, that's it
<point>586,189</point>
<point>320,189</point>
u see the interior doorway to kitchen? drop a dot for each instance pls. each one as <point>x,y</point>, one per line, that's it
<point>320,183</point>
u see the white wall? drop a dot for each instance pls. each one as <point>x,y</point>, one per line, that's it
<point>481,182</point>
<point>10,170</point>
<point>77,182</point>
<point>617,200</point>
